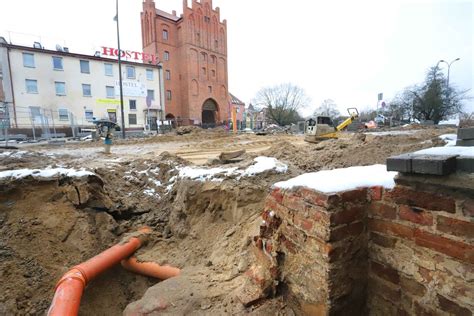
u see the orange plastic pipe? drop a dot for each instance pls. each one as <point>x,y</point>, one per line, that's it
<point>150,269</point>
<point>69,289</point>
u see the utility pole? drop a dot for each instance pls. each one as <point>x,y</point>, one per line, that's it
<point>120,69</point>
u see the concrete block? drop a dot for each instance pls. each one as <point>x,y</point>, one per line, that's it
<point>466,133</point>
<point>465,164</point>
<point>435,165</point>
<point>401,163</point>
<point>465,142</point>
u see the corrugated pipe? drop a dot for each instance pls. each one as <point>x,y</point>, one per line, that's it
<point>69,289</point>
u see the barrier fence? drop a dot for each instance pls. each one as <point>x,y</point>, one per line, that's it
<point>22,123</point>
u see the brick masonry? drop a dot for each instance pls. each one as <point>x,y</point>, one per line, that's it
<point>196,44</point>
<point>406,251</point>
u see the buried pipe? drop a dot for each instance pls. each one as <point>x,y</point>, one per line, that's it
<point>150,269</point>
<point>69,289</point>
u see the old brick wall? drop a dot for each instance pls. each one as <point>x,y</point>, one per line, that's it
<point>421,249</point>
<point>318,248</point>
<point>406,251</point>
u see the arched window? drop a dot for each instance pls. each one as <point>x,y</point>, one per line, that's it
<point>165,34</point>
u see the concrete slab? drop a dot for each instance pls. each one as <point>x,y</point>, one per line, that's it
<point>401,163</point>
<point>434,165</point>
<point>465,164</point>
<point>465,142</point>
<point>466,133</point>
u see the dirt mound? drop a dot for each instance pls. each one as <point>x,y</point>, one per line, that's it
<point>207,234</point>
<point>352,150</point>
<point>46,227</point>
<point>18,159</point>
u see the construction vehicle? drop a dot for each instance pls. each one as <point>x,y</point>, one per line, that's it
<point>322,128</point>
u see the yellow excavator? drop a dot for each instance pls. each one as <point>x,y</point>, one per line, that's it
<point>322,128</point>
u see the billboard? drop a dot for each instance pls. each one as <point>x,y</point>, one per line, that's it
<point>131,88</point>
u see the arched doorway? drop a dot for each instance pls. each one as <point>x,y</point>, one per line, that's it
<point>209,113</point>
<point>171,120</point>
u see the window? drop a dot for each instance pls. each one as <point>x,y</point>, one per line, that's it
<point>86,90</point>
<point>35,111</point>
<point>149,74</point>
<point>28,60</point>
<point>204,71</point>
<point>57,63</point>
<point>132,119</point>
<point>150,94</point>
<point>89,115</point>
<point>31,86</point>
<point>60,88</point>
<point>130,72</point>
<point>110,92</point>
<point>109,70</point>
<point>168,75</point>
<point>210,89</point>
<point>168,95</point>
<point>63,114</point>
<point>85,68</point>
<point>213,73</point>
<point>165,35</point>
<point>132,104</point>
<point>216,44</point>
<point>166,56</point>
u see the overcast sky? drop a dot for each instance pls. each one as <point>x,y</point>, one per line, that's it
<point>344,50</point>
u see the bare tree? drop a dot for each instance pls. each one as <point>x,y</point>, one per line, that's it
<point>401,107</point>
<point>282,103</point>
<point>327,108</point>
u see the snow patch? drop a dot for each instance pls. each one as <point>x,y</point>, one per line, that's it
<point>13,154</point>
<point>261,165</point>
<point>149,192</point>
<point>44,173</point>
<point>204,174</point>
<point>391,133</point>
<point>448,151</point>
<point>450,139</point>
<point>450,122</point>
<point>338,180</point>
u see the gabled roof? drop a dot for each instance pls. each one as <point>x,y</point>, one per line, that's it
<point>167,15</point>
<point>235,100</point>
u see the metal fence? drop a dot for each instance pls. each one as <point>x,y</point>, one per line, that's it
<point>37,123</point>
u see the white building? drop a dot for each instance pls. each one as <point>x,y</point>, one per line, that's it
<point>65,88</point>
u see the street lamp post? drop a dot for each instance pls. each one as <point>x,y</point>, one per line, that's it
<point>120,69</point>
<point>449,67</point>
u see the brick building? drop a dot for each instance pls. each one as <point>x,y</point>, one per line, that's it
<point>193,49</point>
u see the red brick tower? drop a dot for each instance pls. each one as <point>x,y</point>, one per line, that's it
<point>193,49</point>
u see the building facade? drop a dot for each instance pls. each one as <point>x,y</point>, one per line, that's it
<point>193,50</point>
<point>239,107</point>
<point>65,88</point>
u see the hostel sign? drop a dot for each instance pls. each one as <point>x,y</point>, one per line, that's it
<point>128,54</point>
<point>130,88</point>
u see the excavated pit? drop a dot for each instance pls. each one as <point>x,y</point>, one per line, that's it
<point>203,227</point>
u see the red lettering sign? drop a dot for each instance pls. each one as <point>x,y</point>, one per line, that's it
<point>145,57</point>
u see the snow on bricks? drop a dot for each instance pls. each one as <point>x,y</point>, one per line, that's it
<point>401,249</point>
